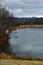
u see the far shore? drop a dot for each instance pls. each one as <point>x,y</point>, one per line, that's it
<point>26,26</point>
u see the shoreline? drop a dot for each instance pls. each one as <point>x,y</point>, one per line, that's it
<point>4,39</point>
<point>15,57</point>
<point>25,26</point>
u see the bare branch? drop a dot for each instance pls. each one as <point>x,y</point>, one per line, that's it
<point>4,12</point>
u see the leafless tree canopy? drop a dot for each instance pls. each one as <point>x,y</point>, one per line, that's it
<point>4,12</point>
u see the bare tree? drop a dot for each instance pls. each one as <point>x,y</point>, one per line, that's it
<point>4,12</point>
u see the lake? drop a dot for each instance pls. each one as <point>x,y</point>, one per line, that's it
<point>26,42</point>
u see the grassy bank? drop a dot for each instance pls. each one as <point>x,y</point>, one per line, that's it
<point>25,26</point>
<point>15,57</point>
<point>8,60</point>
<point>20,62</point>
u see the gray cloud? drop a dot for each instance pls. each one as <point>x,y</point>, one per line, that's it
<point>25,7</point>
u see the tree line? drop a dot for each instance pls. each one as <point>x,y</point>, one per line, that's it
<point>7,19</point>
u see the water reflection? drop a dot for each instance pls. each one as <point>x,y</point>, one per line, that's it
<point>29,42</point>
<point>6,48</point>
<point>25,42</point>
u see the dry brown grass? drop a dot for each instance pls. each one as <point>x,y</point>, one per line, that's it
<point>29,26</point>
<point>26,26</point>
<point>6,59</point>
<point>20,62</point>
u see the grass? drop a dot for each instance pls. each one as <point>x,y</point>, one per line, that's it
<point>20,62</point>
<point>6,59</point>
<point>25,26</point>
<point>15,57</point>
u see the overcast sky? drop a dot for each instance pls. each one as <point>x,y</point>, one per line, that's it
<point>24,8</point>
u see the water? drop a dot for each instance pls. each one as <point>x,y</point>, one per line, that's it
<point>27,42</point>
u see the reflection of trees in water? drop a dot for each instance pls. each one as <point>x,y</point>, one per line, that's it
<point>14,34</point>
<point>6,48</point>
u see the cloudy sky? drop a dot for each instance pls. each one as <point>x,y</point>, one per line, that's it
<point>24,8</point>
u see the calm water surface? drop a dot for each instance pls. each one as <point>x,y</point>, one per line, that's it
<point>27,42</point>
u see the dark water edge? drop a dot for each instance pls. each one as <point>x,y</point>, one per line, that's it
<point>6,48</point>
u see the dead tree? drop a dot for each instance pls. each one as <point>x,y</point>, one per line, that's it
<point>4,14</point>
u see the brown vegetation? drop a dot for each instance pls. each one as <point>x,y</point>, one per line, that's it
<point>4,39</point>
<point>20,62</point>
<point>25,26</point>
<point>15,57</point>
